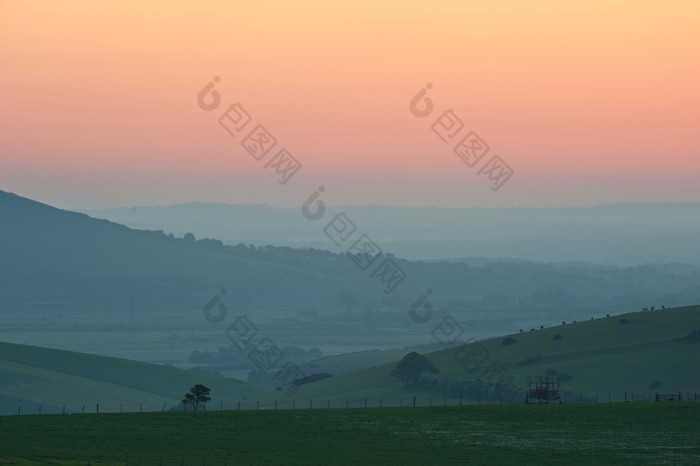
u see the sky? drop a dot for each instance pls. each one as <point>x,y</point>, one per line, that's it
<point>106,103</point>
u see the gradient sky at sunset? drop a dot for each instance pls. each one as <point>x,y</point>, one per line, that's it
<point>588,102</point>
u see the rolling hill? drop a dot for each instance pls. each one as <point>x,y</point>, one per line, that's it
<point>32,377</point>
<point>613,234</point>
<point>53,256</point>
<point>617,354</point>
<point>57,260</point>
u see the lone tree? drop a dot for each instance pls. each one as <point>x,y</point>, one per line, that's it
<point>412,366</point>
<point>198,394</point>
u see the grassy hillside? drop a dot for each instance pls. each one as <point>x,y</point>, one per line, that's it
<point>31,377</point>
<point>618,354</point>
<point>54,256</point>
<point>605,433</point>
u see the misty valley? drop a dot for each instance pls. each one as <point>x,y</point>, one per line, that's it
<point>122,320</point>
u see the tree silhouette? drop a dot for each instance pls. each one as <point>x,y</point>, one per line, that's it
<point>412,366</point>
<point>198,394</point>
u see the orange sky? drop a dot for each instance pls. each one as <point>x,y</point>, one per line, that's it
<point>587,103</point>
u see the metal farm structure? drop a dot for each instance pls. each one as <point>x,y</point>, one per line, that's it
<point>542,389</point>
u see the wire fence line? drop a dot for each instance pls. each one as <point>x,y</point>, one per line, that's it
<point>435,400</point>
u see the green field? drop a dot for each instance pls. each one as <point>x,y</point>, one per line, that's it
<point>602,433</point>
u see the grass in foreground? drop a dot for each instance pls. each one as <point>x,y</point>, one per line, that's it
<point>639,433</point>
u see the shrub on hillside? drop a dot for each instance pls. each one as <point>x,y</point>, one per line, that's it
<point>528,360</point>
<point>508,341</point>
<point>557,337</point>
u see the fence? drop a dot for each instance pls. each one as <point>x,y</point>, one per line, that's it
<point>352,403</point>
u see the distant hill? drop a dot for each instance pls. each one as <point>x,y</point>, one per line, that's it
<point>54,259</point>
<point>53,256</point>
<point>612,234</point>
<point>640,353</point>
<point>32,377</point>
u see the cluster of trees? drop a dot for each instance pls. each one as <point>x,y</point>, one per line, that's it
<point>197,396</point>
<point>413,367</point>
<point>419,373</point>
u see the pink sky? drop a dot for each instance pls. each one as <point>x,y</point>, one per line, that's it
<point>588,103</point>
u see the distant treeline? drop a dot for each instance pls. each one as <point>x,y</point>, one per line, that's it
<point>54,259</point>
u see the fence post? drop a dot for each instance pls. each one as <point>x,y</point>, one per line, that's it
<point>311,404</point>
<point>221,406</point>
<point>414,401</point>
<point>365,402</point>
<point>257,405</point>
<point>444,401</point>
<point>83,412</point>
<point>39,409</point>
<point>347,403</point>
<point>275,405</point>
<point>329,403</point>
<point>294,404</point>
<point>239,405</point>
<point>460,401</point>
<point>19,411</point>
<point>380,402</point>
<point>401,403</point>
<point>430,401</point>
<point>141,407</point>
<point>64,409</point>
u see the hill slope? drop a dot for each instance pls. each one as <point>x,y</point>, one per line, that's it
<point>61,257</point>
<point>59,260</point>
<point>31,376</point>
<point>624,353</point>
<point>613,234</point>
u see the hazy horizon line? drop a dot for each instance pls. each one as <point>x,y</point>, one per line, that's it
<point>264,204</point>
